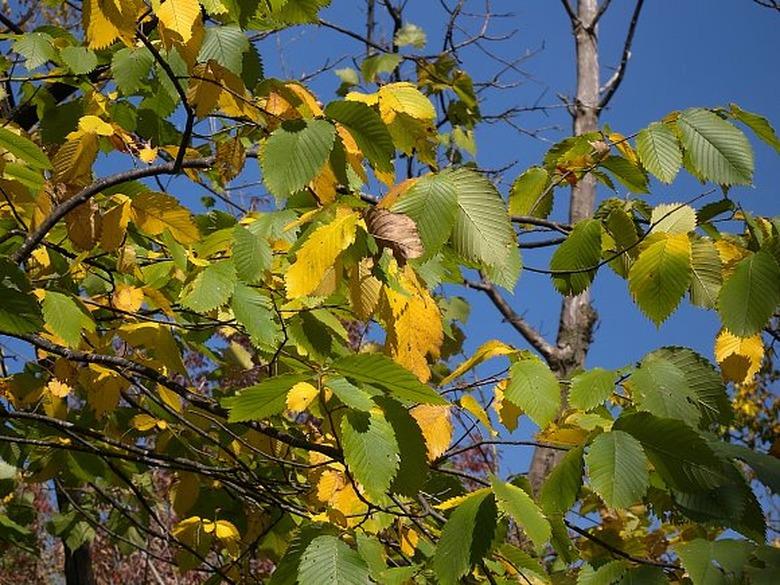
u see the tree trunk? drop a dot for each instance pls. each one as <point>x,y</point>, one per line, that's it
<point>577,316</point>
<point>78,563</point>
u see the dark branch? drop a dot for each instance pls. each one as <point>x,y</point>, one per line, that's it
<point>614,83</point>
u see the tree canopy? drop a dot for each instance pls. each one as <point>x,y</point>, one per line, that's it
<point>277,393</point>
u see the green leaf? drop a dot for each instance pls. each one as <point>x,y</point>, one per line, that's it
<point>410,34</point>
<point>255,312</point>
<point>251,254</point>
<point>617,468</point>
<point>660,387</point>
<point>718,151</point>
<point>36,47</point>
<point>703,379</point>
<point>606,574</point>
<point>368,130</point>
<point>581,251</point>
<point>466,537</point>
<point>211,288</point>
<point>24,149</point>
<point>628,173</point>
<point>262,400</point>
<point>507,274</point>
<point>432,202</point>
<point>130,67</point>
<point>535,389</point>
<point>226,45</point>
<point>591,388</point>
<point>294,153</point>
<point>327,560</point>
<point>659,151</point>
<point>80,60</point>
<point>381,63</point>
<point>679,454</point>
<point>673,218</point>
<point>661,275</point>
<point>644,575</point>
<point>706,269</point>
<point>527,564</point>
<point>381,371</point>
<point>370,451</point>
<point>529,194</point>
<point>19,311</point>
<point>750,295</point>
<point>352,396</point>
<point>766,467</point>
<point>620,225</point>
<point>65,318</point>
<point>515,502</point>
<point>483,233</point>
<point>560,488</point>
<point>699,557</point>
<point>413,465</point>
<point>758,124</point>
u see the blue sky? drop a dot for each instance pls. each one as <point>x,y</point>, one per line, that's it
<point>685,54</point>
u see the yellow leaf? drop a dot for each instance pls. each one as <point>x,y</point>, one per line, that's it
<point>148,154</point>
<point>469,403</point>
<point>143,422</point>
<point>114,223</point>
<point>105,21</point>
<point>739,357</point>
<point>508,412</point>
<point>364,289</point>
<point>456,501</point>
<point>562,435</point>
<point>84,225</point>
<point>179,16</point>
<point>310,108</point>
<point>730,254</point>
<point>300,396</point>
<point>413,324</point>
<point>156,338</point>
<point>73,161</point>
<point>57,388</point>
<point>222,529</point>
<point>409,540</point>
<point>93,125</point>
<point>434,422</point>
<point>184,493</point>
<point>103,387</point>
<point>624,147</point>
<point>153,213</point>
<point>487,350</point>
<point>370,99</point>
<point>319,253</point>
<point>127,298</point>
<point>404,98</point>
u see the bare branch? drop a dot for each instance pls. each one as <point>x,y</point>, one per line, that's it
<point>529,333</point>
<point>570,12</point>
<point>612,85</point>
<point>602,9</point>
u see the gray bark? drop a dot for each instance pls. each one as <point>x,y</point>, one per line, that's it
<point>577,316</point>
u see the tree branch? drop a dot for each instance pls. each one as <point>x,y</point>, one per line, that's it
<point>123,365</point>
<point>614,83</point>
<point>529,333</point>
<point>87,193</point>
<point>570,12</point>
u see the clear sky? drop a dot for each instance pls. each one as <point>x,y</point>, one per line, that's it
<point>685,53</point>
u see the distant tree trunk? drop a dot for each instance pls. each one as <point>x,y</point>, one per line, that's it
<point>78,563</point>
<point>577,316</point>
